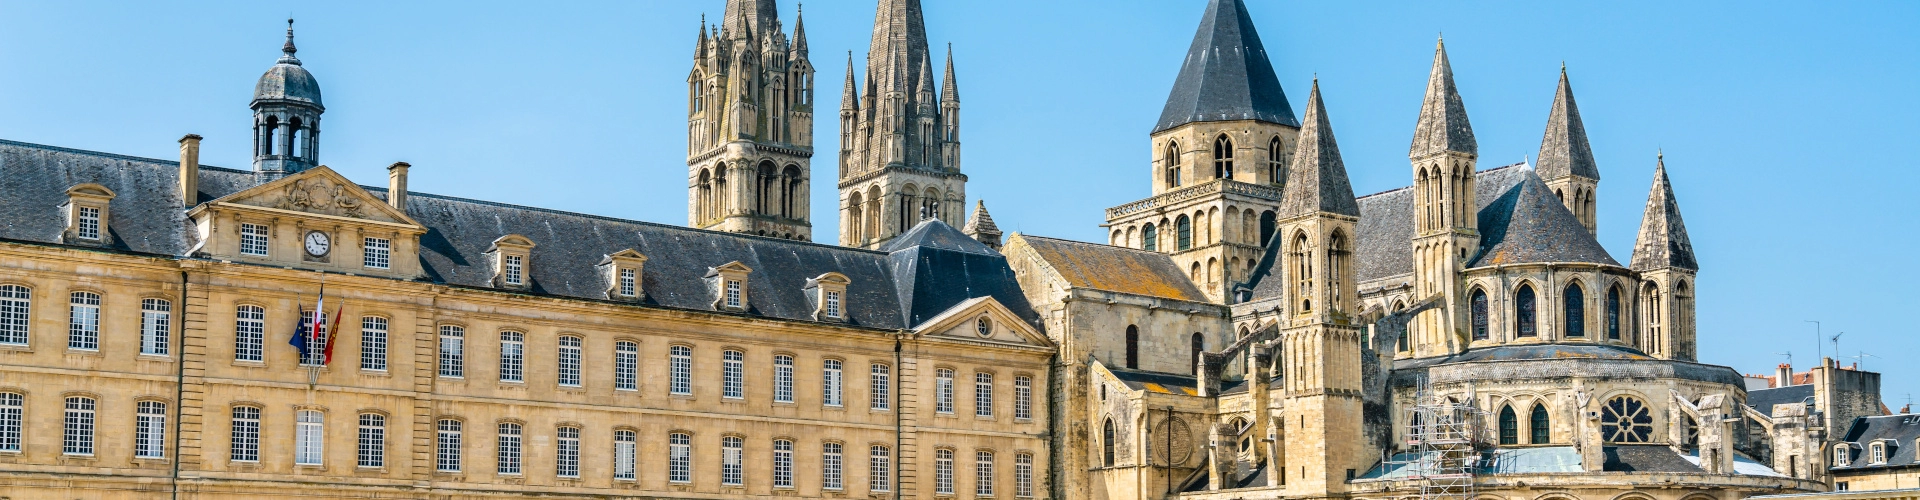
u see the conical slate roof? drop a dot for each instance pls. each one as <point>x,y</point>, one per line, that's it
<point>1226,75</point>
<point>1663,237</point>
<point>932,233</point>
<point>1317,179</point>
<point>981,223</point>
<point>1564,150</point>
<point>1528,224</point>
<point>1443,123</point>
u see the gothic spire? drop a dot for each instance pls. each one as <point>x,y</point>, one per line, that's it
<point>1564,150</point>
<point>850,96</point>
<point>949,91</point>
<point>899,43</point>
<point>1663,239</point>
<point>1317,179</point>
<point>1443,123</point>
<point>799,34</point>
<point>1226,75</point>
<point>700,43</point>
<point>924,84</point>
<point>750,16</point>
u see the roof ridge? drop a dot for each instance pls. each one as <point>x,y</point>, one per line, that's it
<point>1078,242</point>
<point>63,149</point>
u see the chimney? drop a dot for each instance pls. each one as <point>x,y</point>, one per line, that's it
<point>190,169</point>
<point>397,185</point>
<point>1783,376</point>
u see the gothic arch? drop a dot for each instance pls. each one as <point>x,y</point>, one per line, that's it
<point>1172,168</point>
<point>1526,310</point>
<point>1222,157</point>
<point>1478,312</point>
<point>1302,252</point>
<point>855,226</point>
<point>1573,310</point>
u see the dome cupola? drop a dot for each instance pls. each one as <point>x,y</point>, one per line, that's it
<point>286,116</point>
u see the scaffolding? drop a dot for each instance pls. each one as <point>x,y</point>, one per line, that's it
<point>1444,441</point>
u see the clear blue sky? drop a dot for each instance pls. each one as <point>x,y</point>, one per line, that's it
<point>1788,126</point>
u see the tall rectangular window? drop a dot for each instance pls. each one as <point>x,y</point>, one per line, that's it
<point>943,390</point>
<point>453,352</point>
<point>89,223</point>
<point>943,472</point>
<point>679,458</point>
<point>77,428</point>
<point>249,333</point>
<point>833,304</point>
<point>376,252</point>
<point>733,293</point>
<point>566,454</point>
<point>512,272</point>
<point>12,416</point>
<point>156,318</point>
<point>626,366</point>
<point>513,347</point>
<point>880,386</point>
<point>733,375</point>
<point>253,239</point>
<point>879,469</point>
<point>782,463</point>
<point>569,369</point>
<point>831,456</point>
<point>983,394</point>
<point>731,461</point>
<point>245,438</point>
<point>507,452</point>
<point>1022,397</point>
<point>783,379</point>
<point>830,382</point>
<point>628,282</point>
<point>83,321</point>
<point>1023,475</point>
<point>983,474</point>
<point>680,362</point>
<point>309,431</point>
<point>371,446</point>
<point>150,429</point>
<point>373,343</point>
<point>625,451</point>
<point>317,344</point>
<point>447,446</point>
<point>15,314</point>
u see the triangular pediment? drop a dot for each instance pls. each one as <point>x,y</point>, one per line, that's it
<point>964,321</point>
<point>319,191</point>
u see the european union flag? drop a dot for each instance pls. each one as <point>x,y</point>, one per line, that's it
<point>300,334</point>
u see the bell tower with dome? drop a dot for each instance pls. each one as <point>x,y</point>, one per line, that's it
<point>286,117</point>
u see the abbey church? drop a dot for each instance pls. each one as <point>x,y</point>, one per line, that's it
<point>1253,329</point>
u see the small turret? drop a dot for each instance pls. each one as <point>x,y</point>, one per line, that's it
<point>981,227</point>
<point>1566,159</point>
<point>286,116</point>
<point>1664,258</point>
<point>1317,180</point>
<point>1443,126</point>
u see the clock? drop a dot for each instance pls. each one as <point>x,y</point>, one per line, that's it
<point>318,244</point>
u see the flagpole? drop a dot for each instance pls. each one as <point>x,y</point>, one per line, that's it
<point>313,332</point>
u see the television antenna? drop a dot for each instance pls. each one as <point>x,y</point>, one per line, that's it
<point>1836,343</point>
<point>1788,354</point>
<point>1862,359</point>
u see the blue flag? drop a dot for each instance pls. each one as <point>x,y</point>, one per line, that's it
<point>300,335</point>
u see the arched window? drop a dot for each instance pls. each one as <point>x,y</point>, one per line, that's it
<point>1523,309</point>
<point>1576,311</point>
<point>1184,228</point>
<point>1625,419</point>
<point>1199,346</point>
<point>854,225</point>
<point>1478,303</point>
<point>1303,271</point>
<point>790,192</point>
<point>1133,346</point>
<point>1107,435</point>
<point>1651,328</point>
<point>1149,238</point>
<point>1613,313</point>
<point>1336,268</point>
<point>1173,165</point>
<point>1539,424</point>
<point>1266,227</point>
<point>1276,161</point>
<point>1509,426</point>
<point>1222,157</point>
<point>699,92</point>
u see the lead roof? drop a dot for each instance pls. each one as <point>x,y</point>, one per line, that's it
<point>1226,75</point>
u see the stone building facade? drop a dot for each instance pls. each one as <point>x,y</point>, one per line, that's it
<point>750,125</point>
<point>899,135</point>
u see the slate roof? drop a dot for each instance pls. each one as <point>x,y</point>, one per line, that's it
<point>1903,430</point>
<point>1116,269</point>
<point>1646,458</point>
<point>1533,351</point>
<point>1764,399</point>
<point>1385,232</point>
<point>1139,379</point>
<point>1226,75</point>
<point>1663,238</point>
<point>928,270</point>
<point>1528,224</point>
<point>1443,118</point>
<point>1564,150</point>
<point>1317,179</point>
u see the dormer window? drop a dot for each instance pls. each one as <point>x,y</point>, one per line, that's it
<point>377,253</point>
<point>253,239</point>
<point>89,223</point>
<point>514,264</point>
<point>86,212</point>
<point>829,295</point>
<point>833,304</point>
<point>1877,453</point>
<point>729,285</point>
<point>511,254</point>
<point>1840,456</point>
<point>622,272</point>
<point>733,293</point>
<point>627,285</point>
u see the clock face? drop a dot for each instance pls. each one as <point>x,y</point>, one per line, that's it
<point>318,244</point>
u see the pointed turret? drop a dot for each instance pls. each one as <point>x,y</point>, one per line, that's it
<point>898,137</point>
<point>1663,239</point>
<point>1226,75</point>
<point>849,96</point>
<point>924,86</point>
<point>1564,150</point>
<point>799,35</point>
<point>1317,179</point>
<point>700,42</point>
<point>1443,123</point>
<point>981,227</point>
<point>949,91</point>
<point>747,17</point>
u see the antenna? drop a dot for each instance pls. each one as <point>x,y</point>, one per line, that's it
<point>1836,343</point>
<point>1788,354</point>
<point>1816,341</point>
<point>1862,359</point>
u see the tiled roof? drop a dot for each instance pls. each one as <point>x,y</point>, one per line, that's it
<point>1226,75</point>
<point>1116,269</point>
<point>1387,222</point>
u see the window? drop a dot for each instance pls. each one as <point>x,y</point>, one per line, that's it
<point>317,343</point>
<point>1509,426</point>
<point>833,304</point>
<point>625,452</point>
<point>879,469</point>
<point>309,432</point>
<point>1613,313</point>
<point>569,362</point>
<point>1023,475</point>
<point>679,458</point>
<point>733,377</point>
<point>626,366</point>
<point>507,453</point>
<point>1625,420</point>
<point>680,360</point>
<point>249,333</point>
<point>983,394</point>
<point>14,314</point>
<point>447,446</point>
<point>1199,346</point>
<point>830,470</point>
<point>566,455</point>
<point>253,239</point>
<point>1479,306</point>
<point>1523,311</point>
<point>1841,457</point>
<point>150,429</point>
<point>943,390</point>
<point>627,280</point>
<point>830,374</point>
<point>943,472</point>
<point>1576,311</point>
<point>1223,157</point>
<point>89,223</point>
<point>1149,238</point>
<point>733,293</point>
<point>1276,163</point>
<point>880,386</point>
<point>77,428</point>
<point>1877,453</point>
<point>12,416</point>
<point>513,266</point>
<point>1022,397</point>
<point>782,378</point>
<point>1183,232</point>
<point>83,323</point>
<point>244,445</point>
<point>373,343</point>
<point>372,445</point>
<point>1539,425</point>
<point>782,463</point>
<point>453,357</point>
<point>1173,165</point>
<point>155,323</point>
<point>983,473</point>
<point>376,252</point>
<point>513,348</point>
<point>1107,435</point>
<point>1133,347</point>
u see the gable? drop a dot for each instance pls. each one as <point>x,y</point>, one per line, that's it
<point>318,191</point>
<point>963,322</point>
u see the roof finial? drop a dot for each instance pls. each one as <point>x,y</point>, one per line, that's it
<point>289,48</point>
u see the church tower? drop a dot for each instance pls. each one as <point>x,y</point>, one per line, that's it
<point>899,143</point>
<point>750,125</point>
<point>286,117</point>
<point>1664,258</point>
<point>1320,340</point>
<point>1220,158</point>
<point>1446,223</point>
<point>1566,160</point>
